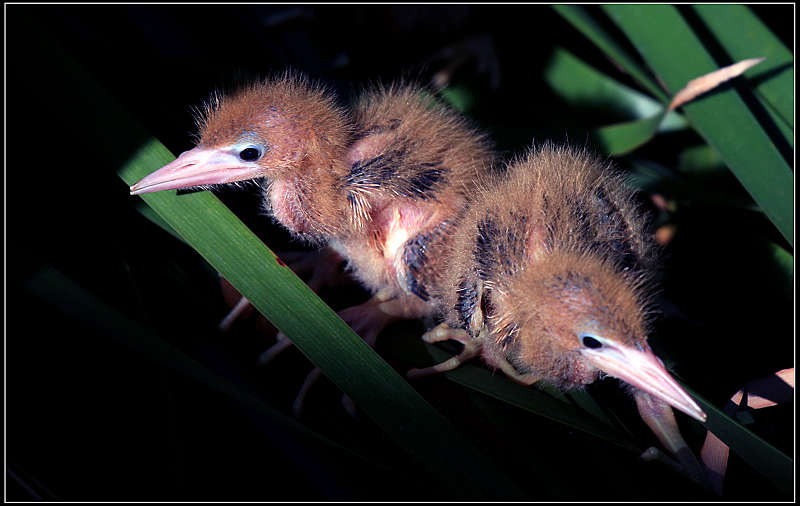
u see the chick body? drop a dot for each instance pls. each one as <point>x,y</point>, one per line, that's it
<point>549,277</point>
<point>410,169</point>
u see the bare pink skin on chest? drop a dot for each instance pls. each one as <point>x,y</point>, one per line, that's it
<point>393,221</point>
<point>377,252</point>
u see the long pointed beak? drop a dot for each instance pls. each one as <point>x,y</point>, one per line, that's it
<point>196,167</point>
<point>645,371</point>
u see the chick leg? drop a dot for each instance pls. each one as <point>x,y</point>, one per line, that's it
<point>325,268</point>
<point>281,344</point>
<point>299,401</point>
<point>323,265</point>
<point>385,307</point>
<point>367,320</point>
<point>443,332</point>
<point>238,310</point>
<point>370,318</point>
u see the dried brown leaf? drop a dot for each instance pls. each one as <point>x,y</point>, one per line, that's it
<point>710,81</point>
<point>761,393</point>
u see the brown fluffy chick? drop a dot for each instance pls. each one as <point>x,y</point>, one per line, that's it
<point>375,183</point>
<point>549,278</point>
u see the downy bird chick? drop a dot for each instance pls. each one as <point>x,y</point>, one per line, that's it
<point>549,277</point>
<point>376,183</point>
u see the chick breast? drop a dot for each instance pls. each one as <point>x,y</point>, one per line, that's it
<point>411,165</point>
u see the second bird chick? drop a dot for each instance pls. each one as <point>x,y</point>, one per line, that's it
<point>549,278</point>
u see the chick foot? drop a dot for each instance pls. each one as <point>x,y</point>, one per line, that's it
<point>444,332</point>
<point>370,318</point>
<point>367,320</point>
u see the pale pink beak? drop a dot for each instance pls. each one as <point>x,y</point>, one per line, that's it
<point>199,166</point>
<point>643,370</point>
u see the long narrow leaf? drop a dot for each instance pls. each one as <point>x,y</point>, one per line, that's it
<point>232,249</point>
<point>73,300</point>
<point>625,137</point>
<point>536,399</point>
<point>226,243</point>
<point>708,82</point>
<point>676,55</point>
<point>151,215</point>
<point>579,84</point>
<point>743,35</point>
<point>700,159</point>
<point>539,400</point>
<point>759,454</point>
<point>583,21</point>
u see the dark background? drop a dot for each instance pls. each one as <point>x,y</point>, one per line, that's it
<point>88,419</point>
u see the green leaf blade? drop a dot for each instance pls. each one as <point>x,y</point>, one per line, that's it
<point>625,137</point>
<point>583,22</point>
<point>578,83</point>
<point>741,33</point>
<point>664,39</point>
<point>231,248</point>
<point>759,454</point>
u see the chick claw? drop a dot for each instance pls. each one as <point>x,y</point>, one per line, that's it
<point>299,401</point>
<point>368,319</point>
<point>443,332</point>
<point>281,344</point>
<point>238,310</point>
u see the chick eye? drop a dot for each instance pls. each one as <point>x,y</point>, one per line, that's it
<point>591,342</point>
<point>250,154</point>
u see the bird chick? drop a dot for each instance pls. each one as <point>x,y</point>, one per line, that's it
<point>549,277</point>
<point>412,163</point>
<point>377,183</point>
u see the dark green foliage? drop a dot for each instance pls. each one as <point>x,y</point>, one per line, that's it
<point>119,386</point>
